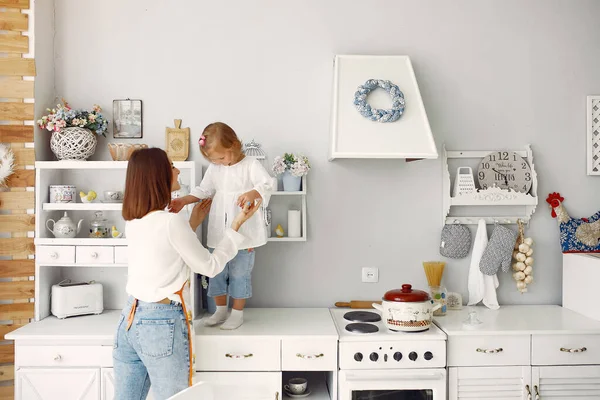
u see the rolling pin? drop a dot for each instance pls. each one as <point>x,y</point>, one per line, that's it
<point>357,303</point>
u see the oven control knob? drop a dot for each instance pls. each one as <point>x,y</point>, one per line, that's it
<point>397,356</point>
<point>413,356</point>
<point>358,357</point>
<point>428,356</point>
<point>374,357</point>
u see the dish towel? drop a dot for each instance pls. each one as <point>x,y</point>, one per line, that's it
<point>481,286</point>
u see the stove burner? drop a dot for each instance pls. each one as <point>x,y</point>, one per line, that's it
<point>362,328</point>
<point>362,316</point>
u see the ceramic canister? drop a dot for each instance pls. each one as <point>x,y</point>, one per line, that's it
<point>62,194</point>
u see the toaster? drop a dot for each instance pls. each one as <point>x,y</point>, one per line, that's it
<point>70,299</point>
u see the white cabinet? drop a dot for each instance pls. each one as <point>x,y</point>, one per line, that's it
<point>508,383</point>
<point>244,385</point>
<point>57,383</point>
<point>566,383</point>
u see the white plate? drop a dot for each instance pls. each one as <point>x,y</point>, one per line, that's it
<point>297,396</point>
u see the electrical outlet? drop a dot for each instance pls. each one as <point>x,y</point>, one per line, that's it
<point>370,275</point>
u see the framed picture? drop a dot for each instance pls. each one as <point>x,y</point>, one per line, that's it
<point>127,119</point>
<point>593,135</point>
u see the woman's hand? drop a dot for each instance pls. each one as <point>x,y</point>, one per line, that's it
<point>247,211</point>
<point>199,213</point>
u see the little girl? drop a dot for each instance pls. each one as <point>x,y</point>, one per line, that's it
<point>232,181</point>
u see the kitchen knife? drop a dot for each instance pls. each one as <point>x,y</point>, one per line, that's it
<point>357,303</point>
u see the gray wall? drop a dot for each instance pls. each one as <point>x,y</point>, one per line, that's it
<point>493,74</point>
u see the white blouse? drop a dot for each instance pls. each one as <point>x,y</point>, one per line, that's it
<point>224,184</point>
<point>159,247</point>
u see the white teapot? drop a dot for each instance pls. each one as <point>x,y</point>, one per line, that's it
<point>64,227</point>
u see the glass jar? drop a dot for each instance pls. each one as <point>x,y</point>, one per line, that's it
<point>439,295</point>
<point>99,226</point>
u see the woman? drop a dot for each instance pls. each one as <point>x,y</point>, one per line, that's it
<point>153,340</point>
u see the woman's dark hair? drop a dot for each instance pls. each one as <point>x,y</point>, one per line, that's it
<point>148,183</point>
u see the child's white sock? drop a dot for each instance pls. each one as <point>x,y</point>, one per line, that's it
<point>235,320</point>
<point>219,316</point>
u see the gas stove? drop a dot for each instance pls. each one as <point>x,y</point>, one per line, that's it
<point>366,343</point>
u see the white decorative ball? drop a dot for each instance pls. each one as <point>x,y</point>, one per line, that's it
<point>528,241</point>
<point>521,266</point>
<point>515,254</point>
<point>528,279</point>
<point>519,276</point>
<point>514,267</point>
<point>521,285</point>
<point>521,257</point>
<point>528,270</point>
<point>529,261</point>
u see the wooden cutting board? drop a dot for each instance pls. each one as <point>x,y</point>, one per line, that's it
<point>357,303</point>
<point>178,142</point>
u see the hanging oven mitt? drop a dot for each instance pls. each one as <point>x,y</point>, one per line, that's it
<point>456,241</point>
<point>498,252</point>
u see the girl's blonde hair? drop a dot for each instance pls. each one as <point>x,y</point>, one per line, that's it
<point>219,134</point>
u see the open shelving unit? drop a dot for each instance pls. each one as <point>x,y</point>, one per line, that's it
<point>296,200</point>
<point>494,205</point>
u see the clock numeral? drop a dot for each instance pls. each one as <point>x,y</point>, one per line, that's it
<point>484,186</point>
<point>523,165</point>
<point>502,156</point>
<point>492,157</point>
<point>527,176</point>
<point>481,175</point>
<point>514,157</point>
<point>524,187</point>
<point>486,165</point>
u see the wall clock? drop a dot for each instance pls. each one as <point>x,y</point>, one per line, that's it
<point>506,170</point>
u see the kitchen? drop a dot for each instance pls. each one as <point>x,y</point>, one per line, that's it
<point>487,73</point>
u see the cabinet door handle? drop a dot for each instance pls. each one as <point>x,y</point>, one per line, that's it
<point>276,395</point>
<point>310,356</point>
<point>54,255</point>
<point>94,255</point>
<point>580,350</point>
<point>537,392</point>
<point>490,351</point>
<point>57,357</point>
<point>238,356</point>
<point>528,392</point>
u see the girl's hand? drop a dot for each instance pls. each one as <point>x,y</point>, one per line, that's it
<point>177,204</point>
<point>250,196</point>
<point>199,213</point>
<point>247,211</point>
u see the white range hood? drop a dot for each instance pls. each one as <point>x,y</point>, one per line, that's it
<point>354,136</point>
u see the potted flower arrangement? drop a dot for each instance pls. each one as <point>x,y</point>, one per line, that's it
<point>292,168</point>
<point>74,131</point>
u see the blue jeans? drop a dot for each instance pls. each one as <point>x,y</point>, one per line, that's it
<point>155,350</point>
<point>236,278</point>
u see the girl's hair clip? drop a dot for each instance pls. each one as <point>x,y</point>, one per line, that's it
<point>202,141</point>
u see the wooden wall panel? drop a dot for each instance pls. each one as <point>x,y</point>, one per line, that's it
<point>16,111</point>
<point>21,4</point>
<point>21,178</point>
<point>16,247</point>
<point>12,21</point>
<point>15,133</point>
<point>14,44</point>
<point>16,311</point>
<point>16,269</point>
<point>12,88</point>
<point>17,200</point>
<point>17,67</point>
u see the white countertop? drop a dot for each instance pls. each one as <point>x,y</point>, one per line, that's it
<point>100,329</point>
<point>278,322</point>
<point>518,320</point>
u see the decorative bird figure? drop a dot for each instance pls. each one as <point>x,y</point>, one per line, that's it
<point>89,197</point>
<point>115,233</point>
<point>279,231</point>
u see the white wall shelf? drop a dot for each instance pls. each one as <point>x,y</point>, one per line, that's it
<point>281,199</point>
<point>96,206</point>
<point>487,203</point>
<point>110,270</point>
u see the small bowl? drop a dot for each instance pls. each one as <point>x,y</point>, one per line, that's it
<point>113,196</point>
<point>122,151</point>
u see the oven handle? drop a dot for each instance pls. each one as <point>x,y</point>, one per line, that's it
<point>433,376</point>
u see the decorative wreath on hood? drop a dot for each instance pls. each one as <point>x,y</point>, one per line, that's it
<point>376,114</point>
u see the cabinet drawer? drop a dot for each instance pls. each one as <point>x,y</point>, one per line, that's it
<point>94,255</point>
<point>63,356</point>
<point>565,349</point>
<point>120,255</point>
<point>488,350</point>
<point>237,354</point>
<point>55,254</point>
<point>308,355</point>
<point>243,385</point>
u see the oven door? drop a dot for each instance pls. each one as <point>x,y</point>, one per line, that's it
<point>409,384</point>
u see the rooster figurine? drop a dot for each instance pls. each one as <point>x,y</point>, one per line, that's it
<point>576,235</point>
<point>88,197</point>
